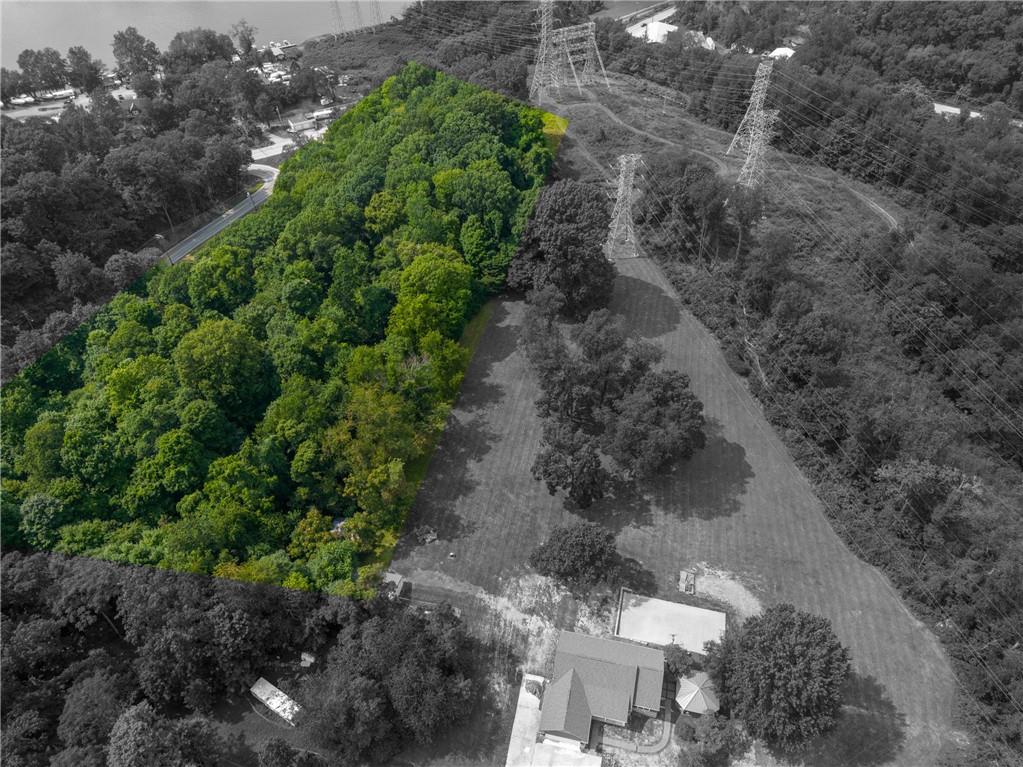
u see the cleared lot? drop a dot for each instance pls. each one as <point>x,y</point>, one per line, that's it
<point>740,505</point>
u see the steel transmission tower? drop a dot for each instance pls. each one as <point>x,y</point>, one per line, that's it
<point>621,216</point>
<point>752,172</point>
<point>543,74</point>
<point>756,105</point>
<point>754,131</point>
<point>560,51</point>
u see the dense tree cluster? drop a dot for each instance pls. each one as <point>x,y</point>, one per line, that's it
<point>608,415</point>
<point>843,116</point>
<point>782,674</point>
<point>713,740</point>
<point>82,192</point>
<point>388,681</point>
<point>563,248</point>
<point>947,49</point>
<point>254,412</point>
<point>896,387</point>
<point>114,666</point>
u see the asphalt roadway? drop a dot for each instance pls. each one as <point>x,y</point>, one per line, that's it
<point>268,174</point>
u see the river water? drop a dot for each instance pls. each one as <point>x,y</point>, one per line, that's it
<point>61,24</point>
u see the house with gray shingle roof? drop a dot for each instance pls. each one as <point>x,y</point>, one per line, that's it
<point>602,679</point>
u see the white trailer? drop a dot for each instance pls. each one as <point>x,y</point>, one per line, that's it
<point>275,700</point>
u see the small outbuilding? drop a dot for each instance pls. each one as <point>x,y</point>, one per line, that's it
<point>696,694</point>
<point>655,31</point>
<point>297,126</point>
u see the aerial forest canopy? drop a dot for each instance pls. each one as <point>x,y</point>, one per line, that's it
<point>94,191</point>
<point>260,411</point>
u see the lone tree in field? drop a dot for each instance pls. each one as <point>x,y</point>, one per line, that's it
<point>782,674</point>
<point>563,247</point>
<point>579,554</point>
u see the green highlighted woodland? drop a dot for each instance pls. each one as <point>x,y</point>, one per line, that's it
<point>257,412</point>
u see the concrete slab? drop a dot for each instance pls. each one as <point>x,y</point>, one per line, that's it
<point>659,622</point>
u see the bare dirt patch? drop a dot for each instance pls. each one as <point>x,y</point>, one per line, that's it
<point>726,587</point>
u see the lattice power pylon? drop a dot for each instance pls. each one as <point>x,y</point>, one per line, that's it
<point>543,74</point>
<point>621,216</point>
<point>561,53</point>
<point>754,133</point>
<point>745,132</point>
<point>752,172</point>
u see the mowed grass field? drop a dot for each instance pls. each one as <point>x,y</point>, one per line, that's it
<point>740,505</point>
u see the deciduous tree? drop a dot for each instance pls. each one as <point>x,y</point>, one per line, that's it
<point>568,460</point>
<point>653,424</point>
<point>134,53</point>
<point>563,247</point>
<point>782,674</point>
<point>226,364</point>
<point>580,554</point>
<point>84,71</point>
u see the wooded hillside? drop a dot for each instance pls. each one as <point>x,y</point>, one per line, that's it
<point>260,411</point>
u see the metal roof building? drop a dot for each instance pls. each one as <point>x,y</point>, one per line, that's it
<point>599,678</point>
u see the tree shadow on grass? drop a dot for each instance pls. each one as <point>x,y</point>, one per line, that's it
<point>497,344</point>
<point>238,751</point>
<point>448,479</point>
<point>649,311</point>
<point>633,576</point>
<point>870,730</point>
<point>621,507</point>
<point>467,438</point>
<point>707,485</point>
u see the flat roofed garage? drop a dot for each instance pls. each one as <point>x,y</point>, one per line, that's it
<point>659,622</point>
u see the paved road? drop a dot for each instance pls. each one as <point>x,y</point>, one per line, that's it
<point>277,146</point>
<point>197,238</point>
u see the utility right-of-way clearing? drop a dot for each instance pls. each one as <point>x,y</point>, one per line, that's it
<point>740,505</point>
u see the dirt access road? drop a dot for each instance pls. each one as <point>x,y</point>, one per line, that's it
<point>715,141</point>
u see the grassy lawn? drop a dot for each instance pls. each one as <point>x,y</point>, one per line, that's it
<point>740,506</point>
<point>416,471</point>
